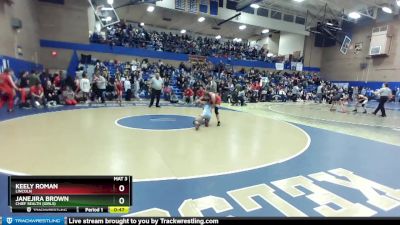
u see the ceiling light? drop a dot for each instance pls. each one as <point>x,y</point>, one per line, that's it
<point>254,6</point>
<point>183,31</point>
<point>142,24</point>
<point>150,8</point>
<point>242,27</point>
<point>218,37</point>
<point>107,9</point>
<point>110,2</point>
<point>398,2</point>
<point>201,19</point>
<point>298,0</point>
<point>387,9</point>
<point>265,31</point>
<point>354,15</point>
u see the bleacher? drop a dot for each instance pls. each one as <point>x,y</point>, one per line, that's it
<point>112,68</point>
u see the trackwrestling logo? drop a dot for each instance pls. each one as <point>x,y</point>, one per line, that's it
<point>34,220</point>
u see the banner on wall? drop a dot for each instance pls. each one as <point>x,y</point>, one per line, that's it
<point>180,4</point>
<point>4,65</point>
<point>341,85</point>
<point>299,67</point>
<point>296,66</point>
<point>279,66</point>
<point>192,6</point>
<point>198,6</point>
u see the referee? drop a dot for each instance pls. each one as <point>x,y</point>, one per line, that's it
<point>384,92</point>
<point>156,85</point>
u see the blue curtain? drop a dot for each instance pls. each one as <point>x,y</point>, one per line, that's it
<point>73,65</point>
<point>213,7</point>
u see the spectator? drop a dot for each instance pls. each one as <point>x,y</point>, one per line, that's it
<point>136,84</point>
<point>137,37</point>
<point>200,93</point>
<point>57,81</point>
<point>241,97</point>
<point>174,98</point>
<point>33,79</point>
<point>37,96</point>
<point>212,85</point>
<point>320,93</point>
<point>69,96</point>
<point>167,92</point>
<point>50,94</point>
<point>295,93</point>
<point>188,95</point>
<point>84,85</point>
<point>128,90</point>
<point>24,88</point>
<point>282,94</point>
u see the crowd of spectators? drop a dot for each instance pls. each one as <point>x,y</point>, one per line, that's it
<point>132,36</point>
<point>184,83</point>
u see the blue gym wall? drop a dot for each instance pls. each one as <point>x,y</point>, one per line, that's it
<point>19,65</point>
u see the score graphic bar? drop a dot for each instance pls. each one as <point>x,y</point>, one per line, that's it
<point>69,193</point>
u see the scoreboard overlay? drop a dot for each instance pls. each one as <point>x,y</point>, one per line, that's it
<point>75,194</point>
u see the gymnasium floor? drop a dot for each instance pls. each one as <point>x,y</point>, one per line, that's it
<point>267,159</point>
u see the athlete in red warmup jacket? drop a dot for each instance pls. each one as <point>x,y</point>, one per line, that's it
<point>7,90</point>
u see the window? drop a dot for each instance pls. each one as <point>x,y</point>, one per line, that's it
<point>248,10</point>
<point>262,12</point>
<point>276,15</point>
<point>61,2</point>
<point>231,5</point>
<point>288,18</point>
<point>300,20</point>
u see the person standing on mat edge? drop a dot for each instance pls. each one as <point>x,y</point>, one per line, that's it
<point>156,85</point>
<point>384,93</point>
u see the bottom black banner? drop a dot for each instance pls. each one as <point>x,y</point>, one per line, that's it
<point>51,220</point>
<point>226,220</point>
